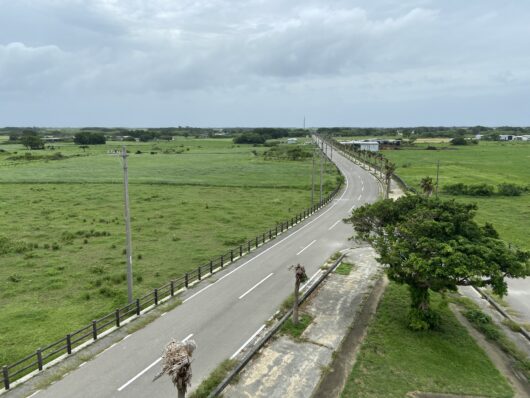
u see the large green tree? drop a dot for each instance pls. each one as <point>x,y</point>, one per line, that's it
<point>435,245</point>
<point>31,140</point>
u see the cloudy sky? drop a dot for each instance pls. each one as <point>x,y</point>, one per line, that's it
<point>264,62</point>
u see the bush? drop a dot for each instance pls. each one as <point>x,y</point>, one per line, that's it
<point>250,138</point>
<point>459,141</point>
<point>456,189</point>
<point>507,189</point>
<point>480,190</point>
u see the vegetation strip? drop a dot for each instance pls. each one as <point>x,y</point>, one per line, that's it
<point>395,360</point>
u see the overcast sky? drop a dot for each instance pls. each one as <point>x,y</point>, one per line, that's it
<point>264,62</point>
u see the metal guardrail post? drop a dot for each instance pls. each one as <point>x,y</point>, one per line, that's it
<point>172,288</point>
<point>222,261</point>
<point>5,373</point>
<point>138,304</point>
<point>186,280</point>
<point>69,344</point>
<point>199,273</point>
<point>117,317</point>
<point>94,330</point>
<point>211,266</point>
<point>240,250</point>
<point>257,242</point>
<point>39,359</point>
<point>231,256</point>
<point>155,293</point>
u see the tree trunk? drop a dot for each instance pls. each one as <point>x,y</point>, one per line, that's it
<point>295,304</point>
<point>181,393</point>
<point>421,316</point>
<point>420,298</point>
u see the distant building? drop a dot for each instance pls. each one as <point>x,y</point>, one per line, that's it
<point>363,145</point>
<point>292,140</point>
<point>506,137</point>
<point>521,138</point>
<point>479,136</point>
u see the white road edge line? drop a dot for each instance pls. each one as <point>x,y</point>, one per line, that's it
<point>306,247</point>
<point>146,369</point>
<point>330,228</point>
<point>276,244</point>
<point>255,286</point>
<point>35,393</point>
<point>248,341</point>
<point>310,279</point>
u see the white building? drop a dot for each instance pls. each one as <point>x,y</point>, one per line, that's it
<point>505,137</point>
<point>521,138</point>
<point>363,145</point>
<point>292,140</point>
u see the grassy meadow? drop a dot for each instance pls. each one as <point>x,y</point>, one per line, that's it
<point>394,360</point>
<point>488,162</point>
<point>62,234</point>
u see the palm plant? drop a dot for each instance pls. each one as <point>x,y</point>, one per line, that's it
<point>389,172</point>
<point>427,186</point>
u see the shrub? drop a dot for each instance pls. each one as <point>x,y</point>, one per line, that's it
<point>507,189</point>
<point>459,141</point>
<point>480,190</point>
<point>14,278</point>
<point>456,189</point>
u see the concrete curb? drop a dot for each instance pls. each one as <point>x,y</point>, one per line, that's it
<point>495,305</point>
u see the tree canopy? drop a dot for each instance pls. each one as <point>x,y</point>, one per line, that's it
<point>31,140</point>
<point>87,138</point>
<point>431,244</point>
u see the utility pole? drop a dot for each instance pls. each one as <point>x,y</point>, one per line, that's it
<point>304,122</point>
<point>321,172</point>
<point>437,174</point>
<point>313,180</point>
<point>127,225</point>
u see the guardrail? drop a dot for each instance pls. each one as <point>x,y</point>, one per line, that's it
<point>102,326</point>
<point>356,158</point>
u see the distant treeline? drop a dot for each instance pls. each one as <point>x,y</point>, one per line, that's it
<point>425,132</point>
<point>261,135</point>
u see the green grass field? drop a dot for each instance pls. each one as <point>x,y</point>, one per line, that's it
<point>489,162</point>
<point>395,360</point>
<point>63,235</point>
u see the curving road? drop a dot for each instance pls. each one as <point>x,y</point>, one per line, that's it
<point>222,316</point>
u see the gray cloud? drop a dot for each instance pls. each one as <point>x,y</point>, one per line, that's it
<point>237,58</point>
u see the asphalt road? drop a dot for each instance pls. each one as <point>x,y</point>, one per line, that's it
<point>222,316</point>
